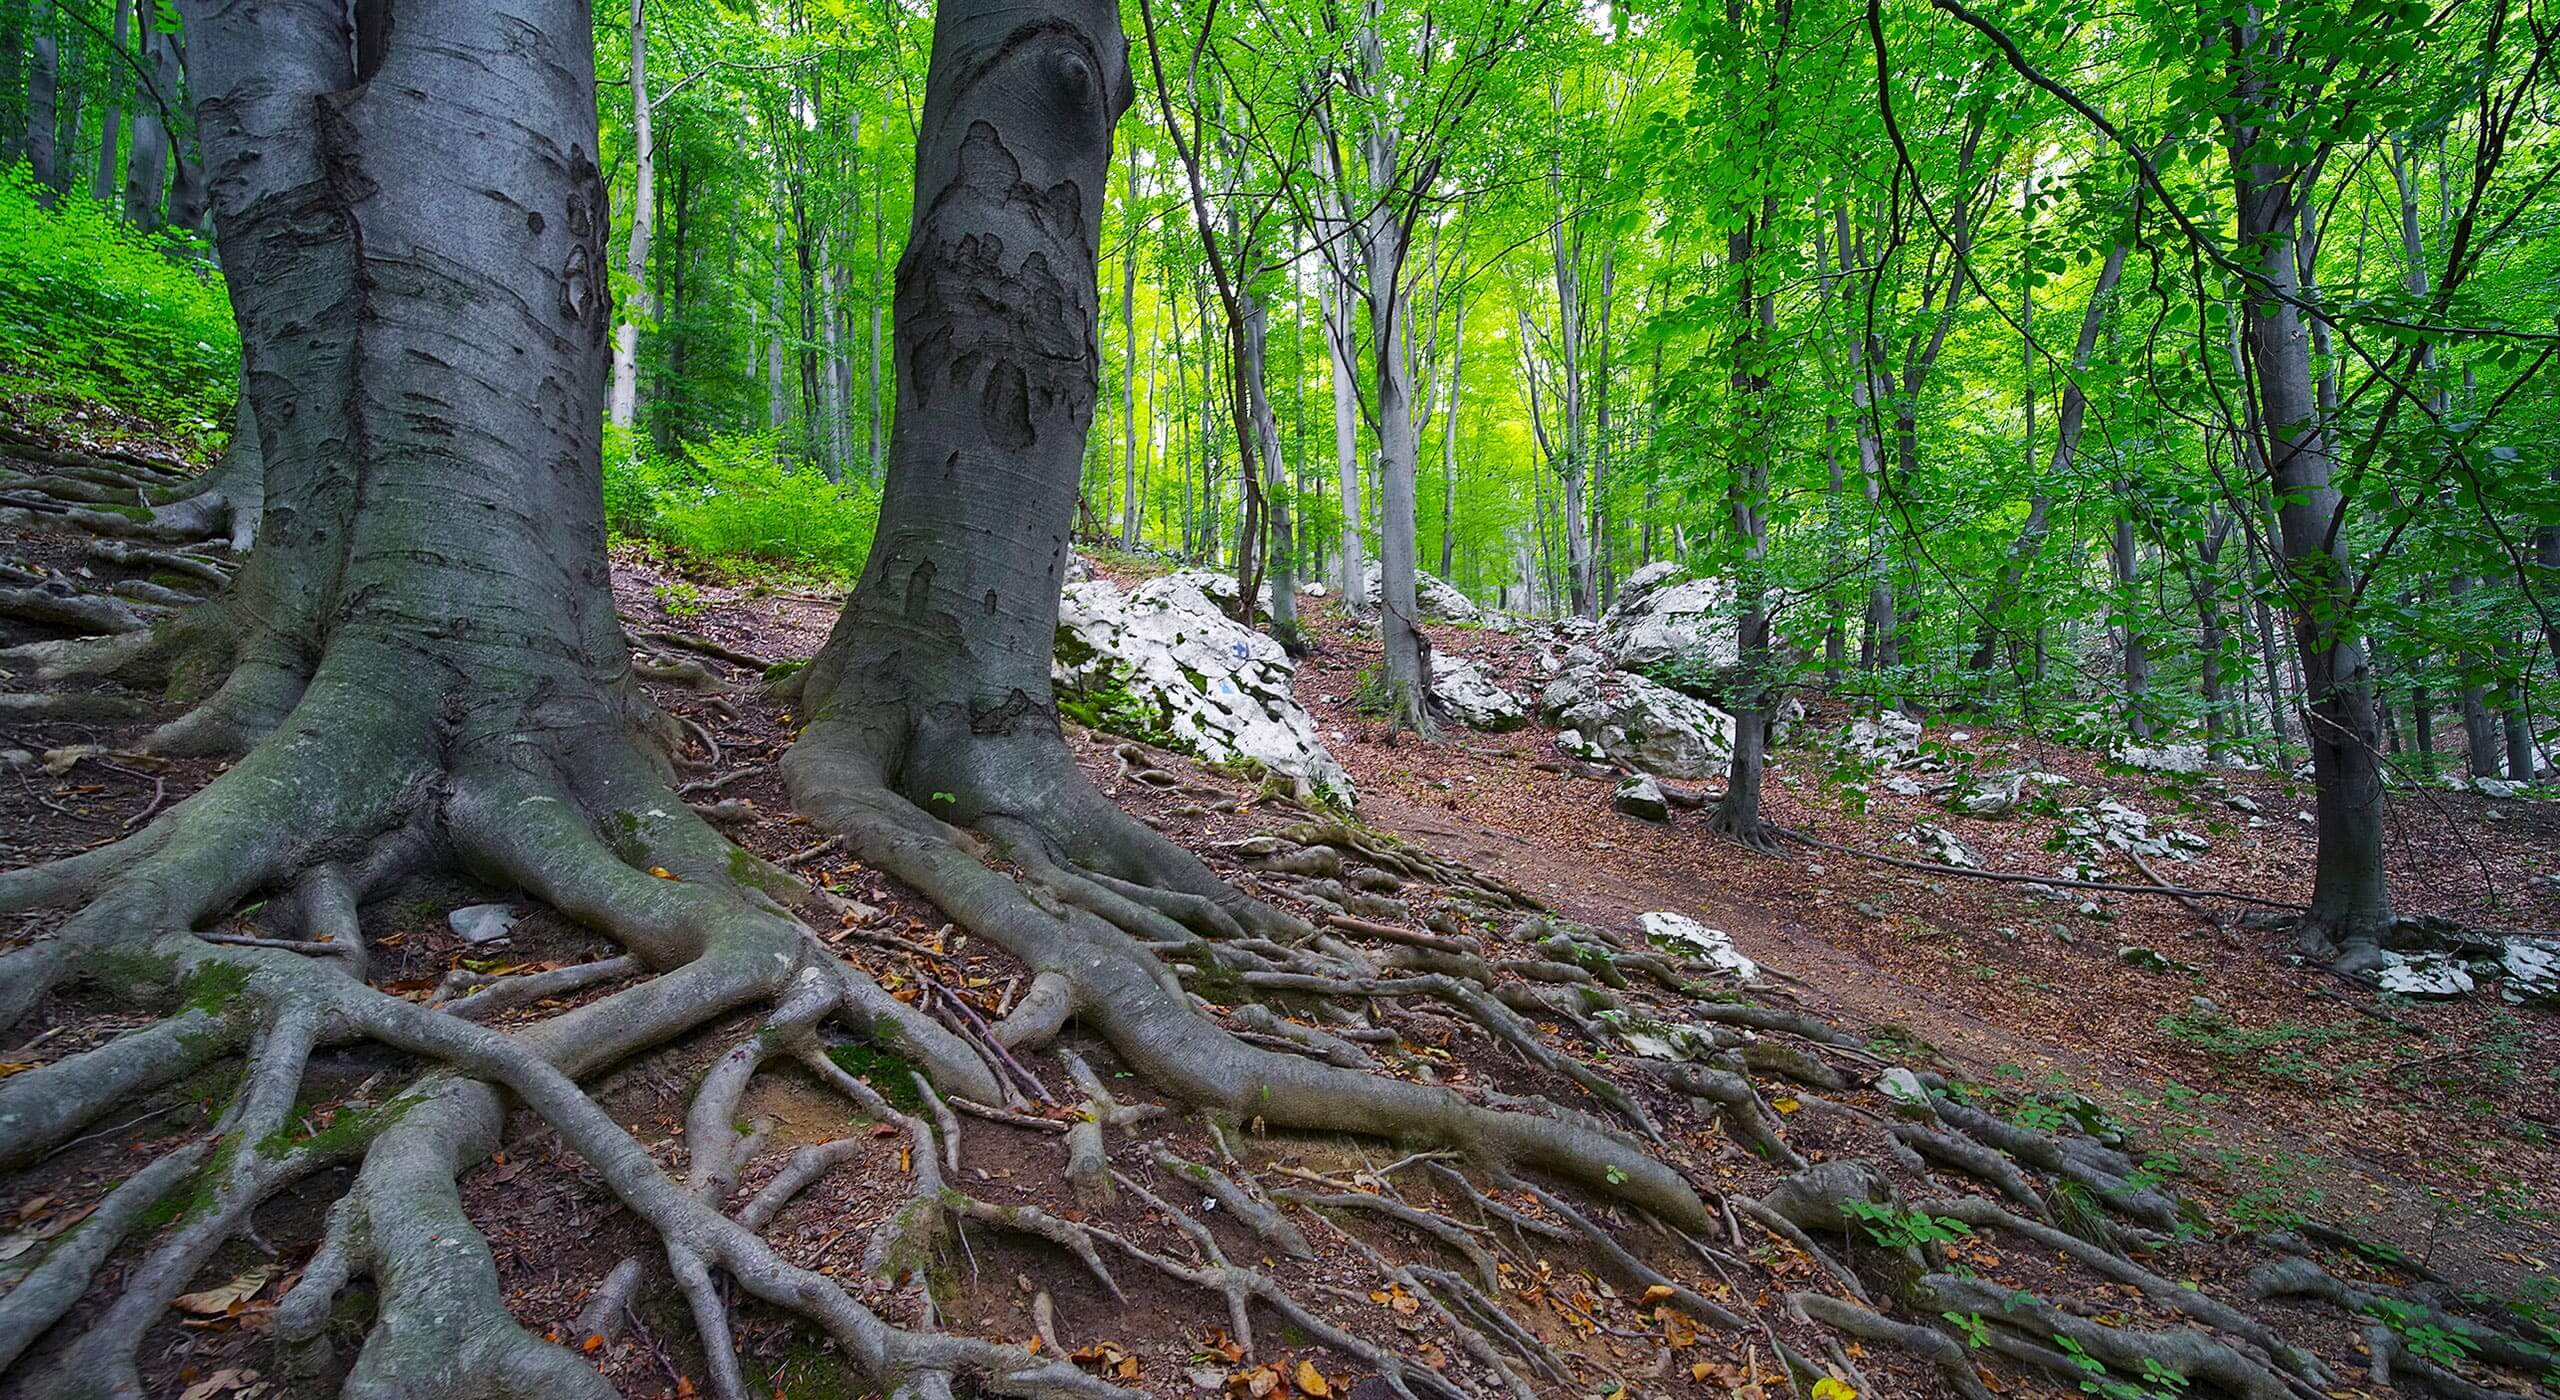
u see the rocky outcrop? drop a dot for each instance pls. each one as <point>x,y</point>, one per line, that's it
<point>1621,717</point>
<point>1164,662</point>
<point>1441,601</point>
<point>1469,695</point>
<point>1659,614</point>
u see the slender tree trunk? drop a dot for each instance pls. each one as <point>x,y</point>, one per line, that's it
<point>624,400</point>
<point>44,77</point>
<point>879,258</point>
<point>14,36</point>
<point>2127,560</point>
<point>146,173</point>
<point>834,385</point>
<point>776,386</point>
<point>2070,416</point>
<point>1564,248</point>
<point>104,183</point>
<point>1449,437</point>
<point>2351,894</point>
<point>1604,580</point>
<point>2479,728</point>
<point>1252,369</point>
<point>2206,581</point>
<point>2519,723</point>
<point>1129,354</point>
<point>1338,334</point>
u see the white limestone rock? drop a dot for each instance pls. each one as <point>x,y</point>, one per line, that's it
<point>1936,843</point>
<point>1468,692</point>
<point>1572,744</point>
<point>1648,727</point>
<point>1208,683</point>
<point>1659,614</point>
<point>2433,976</point>
<point>2163,758</point>
<point>1441,601</point>
<point>1995,796</point>
<point>1692,939</point>
<point>1888,740</point>
<point>483,923</point>
<point>2532,966</point>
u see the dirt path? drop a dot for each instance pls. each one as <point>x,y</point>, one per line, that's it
<point>2278,1089</point>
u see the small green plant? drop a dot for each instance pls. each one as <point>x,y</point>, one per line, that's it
<point>2426,1339</point>
<point>1977,1333</point>
<point>2158,1381</point>
<point>1896,1228</point>
<point>94,311</point>
<point>682,599</point>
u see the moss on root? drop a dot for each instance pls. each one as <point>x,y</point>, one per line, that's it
<point>887,1072</point>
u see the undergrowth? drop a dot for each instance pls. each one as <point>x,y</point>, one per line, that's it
<point>732,506</point>
<point>93,311</point>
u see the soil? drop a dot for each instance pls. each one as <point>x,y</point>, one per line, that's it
<point>2298,1094</point>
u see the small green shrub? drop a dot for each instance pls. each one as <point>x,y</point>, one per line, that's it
<point>733,500</point>
<point>92,311</point>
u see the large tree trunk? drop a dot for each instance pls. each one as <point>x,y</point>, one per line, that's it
<point>933,693</point>
<point>427,363</point>
<point>2351,894</point>
<point>624,402</point>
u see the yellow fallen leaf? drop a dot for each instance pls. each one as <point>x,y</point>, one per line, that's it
<point>1829,1388</point>
<point>223,1298</point>
<point>15,1067</point>
<point>1657,1293</point>
<point>662,872</point>
<point>1790,1106</point>
<point>1311,1381</point>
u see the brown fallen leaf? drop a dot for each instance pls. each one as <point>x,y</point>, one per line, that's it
<point>226,1297</point>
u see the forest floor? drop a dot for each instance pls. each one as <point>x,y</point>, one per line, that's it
<point>2292,1095</point>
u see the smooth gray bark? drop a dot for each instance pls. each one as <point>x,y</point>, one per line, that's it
<point>1350,560</point>
<point>1449,436</point>
<point>147,162</point>
<point>44,76</point>
<point>624,401</point>
<point>2351,894</point>
<point>103,184</point>
<point>1129,360</point>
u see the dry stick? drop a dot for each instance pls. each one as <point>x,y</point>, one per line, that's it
<point>1006,1116</point>
<point>2057,881</point>
<point>810,853</point>
<point>977,1026</point>
<point>2143,868</point>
